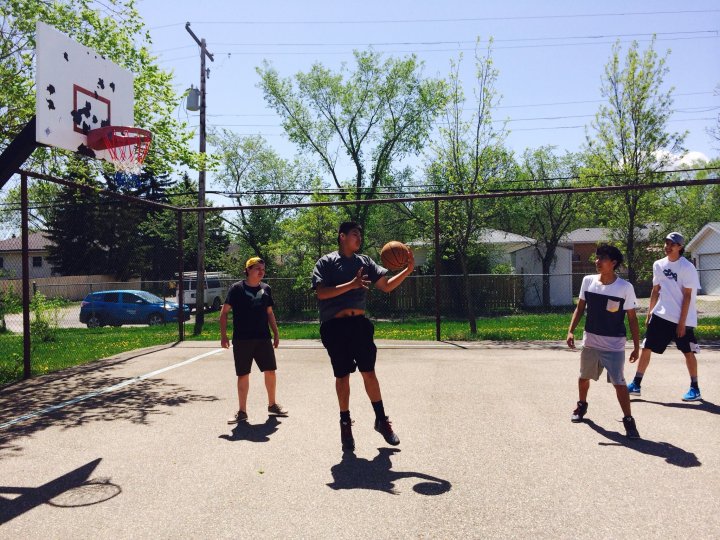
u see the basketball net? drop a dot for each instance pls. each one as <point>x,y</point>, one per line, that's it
<point>127,148</point>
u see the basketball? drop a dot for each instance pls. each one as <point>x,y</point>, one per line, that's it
<point>394,255</point>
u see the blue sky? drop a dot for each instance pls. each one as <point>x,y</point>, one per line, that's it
<point>550,55</point>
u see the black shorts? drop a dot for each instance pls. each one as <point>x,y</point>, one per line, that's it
<point>349,342</point>
<point>261,350</point>
<point>660,332</point>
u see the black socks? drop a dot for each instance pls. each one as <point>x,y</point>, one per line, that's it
<point>379,409</point>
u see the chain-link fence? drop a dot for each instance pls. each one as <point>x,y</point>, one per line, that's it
<point>104,269</point>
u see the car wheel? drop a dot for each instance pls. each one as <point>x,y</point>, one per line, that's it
<point>155,319</point>
<point>94,321</point>
<point>216,304</point>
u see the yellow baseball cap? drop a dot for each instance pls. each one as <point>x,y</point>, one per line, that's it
<point>253,261</point>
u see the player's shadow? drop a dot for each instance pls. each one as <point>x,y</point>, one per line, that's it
<point>73,489</point>
<point>703,405</point>
<point>245,431</point>
<point>669,452</point>
<point>358,473</point>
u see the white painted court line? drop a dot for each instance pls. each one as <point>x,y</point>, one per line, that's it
<point>106,390</point>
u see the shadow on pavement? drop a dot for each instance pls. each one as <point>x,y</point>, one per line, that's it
<point>73,401</point>
<point>669,452</point>
<point>358,473</point>
<point>246,431</point>
<point>702,405</point>
<point>73,489</point>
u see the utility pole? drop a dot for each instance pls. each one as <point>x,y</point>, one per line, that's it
<point>200,285</point>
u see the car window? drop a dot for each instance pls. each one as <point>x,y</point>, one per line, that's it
<point>149,297</point>
<point>129,298</point>
<point>213,283</point>
<point>189,285</point>
<point>111,297</point>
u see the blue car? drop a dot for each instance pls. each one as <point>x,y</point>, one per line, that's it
<point>116,308</point>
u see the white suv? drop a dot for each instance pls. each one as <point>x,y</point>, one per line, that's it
<point>216,289</point>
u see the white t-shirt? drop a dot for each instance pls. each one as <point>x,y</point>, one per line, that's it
<point>673,277</point>
<point>605,307</point>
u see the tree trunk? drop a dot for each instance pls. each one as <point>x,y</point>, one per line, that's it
<point>467,296</point>
<point>546,281</point>
<point>630,255</point>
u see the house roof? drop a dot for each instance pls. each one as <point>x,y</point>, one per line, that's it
<point>489,236</point>
<point>596,235</point>
<point>36,242</point>
<point>588,234</point>
<point>707,229</point>
<point>495,236</point>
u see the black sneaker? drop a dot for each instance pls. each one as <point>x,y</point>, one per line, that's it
<point>630,429</point>
<point>240,416</point>
<point>577,415</point>
<point>384,427</point>
<point>346,436</point>
<point>277,410</point>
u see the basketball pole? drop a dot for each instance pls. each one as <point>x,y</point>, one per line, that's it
<point>200,286</point>
<point>18,151</point>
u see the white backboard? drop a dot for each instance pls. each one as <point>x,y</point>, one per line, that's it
<point>77,90</point>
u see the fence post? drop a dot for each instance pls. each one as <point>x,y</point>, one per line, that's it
<point>180,286</point>
<point>27,371</point>
<point>437,270</point>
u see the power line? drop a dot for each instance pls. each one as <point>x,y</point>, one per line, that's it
<point>551,104</point>
<point>419,51</point>
<point>449,20</point>
<point>436,42</point>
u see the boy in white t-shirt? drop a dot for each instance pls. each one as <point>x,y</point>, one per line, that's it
<point>672,313</point>
<point>607,299</point>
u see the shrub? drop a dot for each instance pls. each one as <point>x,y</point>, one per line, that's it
<point>46,313</point>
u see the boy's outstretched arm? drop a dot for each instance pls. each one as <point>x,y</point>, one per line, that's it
<point>574,321</point>
<point>389,285</point>
<point>635,333</point>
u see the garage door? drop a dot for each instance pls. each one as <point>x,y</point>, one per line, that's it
<point>710,273</point>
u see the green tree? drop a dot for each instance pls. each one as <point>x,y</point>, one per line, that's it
<point>255,175</point>
<point>631,142</point>
<point>470,158</point>
<point>547,218</point>
<point>115,30</point>
<point>688,209</point>
<point>160,230</point>
<point>305,237</point>
<point>376,115</point>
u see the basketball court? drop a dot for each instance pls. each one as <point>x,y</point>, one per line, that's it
<point>138,446</point>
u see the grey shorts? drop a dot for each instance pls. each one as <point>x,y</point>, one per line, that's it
<point>593,361</point>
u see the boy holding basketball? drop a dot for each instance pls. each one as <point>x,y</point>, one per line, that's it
<point>341,280</point>
<point>607,298</point>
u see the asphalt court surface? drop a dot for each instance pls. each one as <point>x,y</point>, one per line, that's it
<point>138,447</point>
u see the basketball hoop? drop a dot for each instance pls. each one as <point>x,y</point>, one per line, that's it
<point>127,148</point>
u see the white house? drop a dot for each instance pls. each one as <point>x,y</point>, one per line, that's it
<point>519,252</point>
<point>705,250</point>
<point>525,260</point>
<point>502,242</point>
<point>11,257</point>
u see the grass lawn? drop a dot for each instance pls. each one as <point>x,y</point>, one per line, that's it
<point>74,346</point>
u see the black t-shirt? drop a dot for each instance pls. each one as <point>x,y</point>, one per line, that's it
<point>249,307</point>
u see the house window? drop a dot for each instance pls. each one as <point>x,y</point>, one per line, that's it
<point>37,262</point>
<point>2,263</point>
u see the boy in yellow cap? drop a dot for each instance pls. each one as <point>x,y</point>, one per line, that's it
<point>251,303</point>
